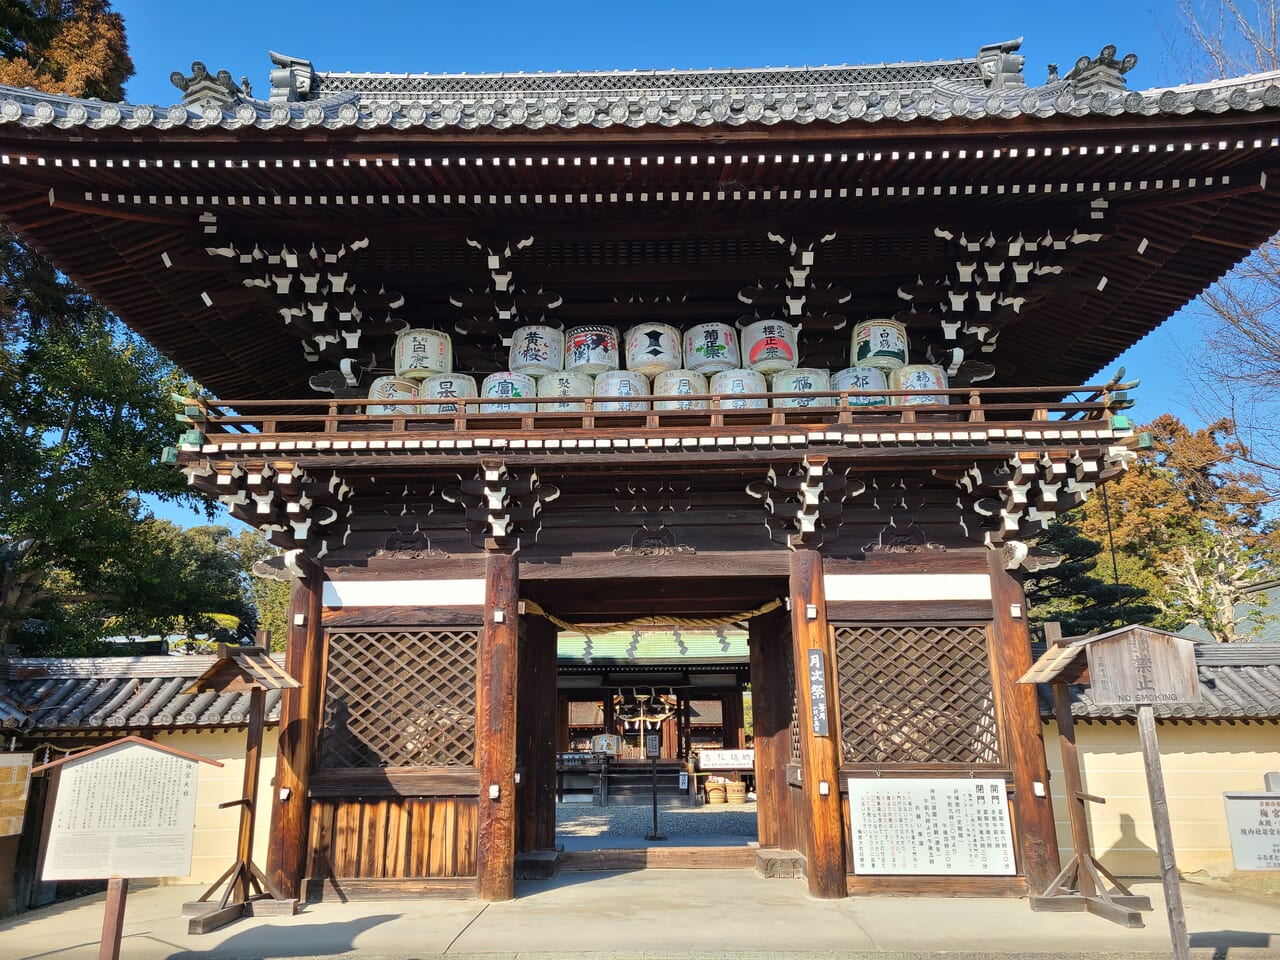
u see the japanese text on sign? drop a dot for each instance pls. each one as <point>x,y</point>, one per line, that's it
<point>128,811</point>
<point>1253,821</point>
<point>930,826</point>
<point>818,692</point>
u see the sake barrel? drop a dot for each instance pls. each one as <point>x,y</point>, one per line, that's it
<point>393,388</point>
<point>680,383</point>
<point>447,388</point>
<point>802,380</point>
<point>503,389</point>
<point>653,348</point>
<point>536,350</point>
<point>919,376</point>
<point>591,349</point>
<point>769,346</point>
<point>709,347</point>
<point>879,343</point>
<point>566,383</point>
<point>624,385</point>
<point>420,353</point>
<point>862,378</point>
<point>728,383</point>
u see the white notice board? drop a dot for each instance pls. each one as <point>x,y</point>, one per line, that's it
<point>930,826</point>
<point>1253,820</point>
<point>126,811</point>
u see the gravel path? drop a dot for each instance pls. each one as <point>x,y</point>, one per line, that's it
<point>708,824</point>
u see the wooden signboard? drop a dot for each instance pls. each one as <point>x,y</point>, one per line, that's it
<point>920,826</point>
<point>15,778</point>
<point>606,743</point>
<point>1253,820</point>
<point>818,693</point>
<point>127,810</point>
<point>1143,666</point>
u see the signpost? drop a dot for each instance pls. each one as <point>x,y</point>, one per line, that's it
<point>121,810</point>
<point>1253,820</point>
<point>652,751</point>
<point>1130,667</point>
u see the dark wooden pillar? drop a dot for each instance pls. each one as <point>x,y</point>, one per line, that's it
<point>1021,730</point>
<point>496,729</point>
<point>670,738</point>
<point>820,755</point>
<point>731,710</point>
<point>301,714</point>
<point>537,732</point>
<point>562,723</point>
<point>771,721</point>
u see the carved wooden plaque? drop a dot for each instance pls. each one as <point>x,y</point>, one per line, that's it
<point>1143,667</point>
<point>15,777</point>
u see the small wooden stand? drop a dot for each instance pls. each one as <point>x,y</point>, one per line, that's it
<point>248,891</point>
<point>1083,883</point>
<point>1132,667</point>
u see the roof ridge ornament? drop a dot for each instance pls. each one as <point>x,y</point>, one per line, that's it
<point>203,87</point>
<point>294,78</point>
<point>1103,72</point>
<point>1001,64</point>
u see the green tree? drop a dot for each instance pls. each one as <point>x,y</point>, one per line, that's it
<point>1077,593</point>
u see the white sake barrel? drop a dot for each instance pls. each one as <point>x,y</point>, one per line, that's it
<point>447,388</point>
<point>802,380</point>
<point>623,384</point>
<point>862,378</point>
<point>653,348</point>
<point>919,376</point>
<point>536,350</point>
<point>769,346</point>
<point>879,343</point>
<point>727,383</point>
<point>503,390</point>
<point>681,383</point>
<point>591,349</point>
<point>709,347</point>
<point>420,353</point>
<point>393,388</point>
<point>566,383</point>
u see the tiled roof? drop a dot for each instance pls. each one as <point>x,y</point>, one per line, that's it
<point>1237,681</point>
<point>116,693</point>
<point>934,90</point>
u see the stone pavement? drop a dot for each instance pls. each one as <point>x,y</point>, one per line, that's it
<point>651,914</point>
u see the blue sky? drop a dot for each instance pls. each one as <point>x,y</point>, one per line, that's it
<point>384,36</point>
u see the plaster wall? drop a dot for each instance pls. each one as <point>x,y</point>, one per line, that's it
<point>214,846</point>
<point>1200,761</point>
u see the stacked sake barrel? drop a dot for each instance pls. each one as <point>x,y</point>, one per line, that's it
<point>423,364</point>
<point>878,358</point>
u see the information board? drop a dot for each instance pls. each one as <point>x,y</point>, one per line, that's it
<point>15,778</point>
<point>726,760</point>
<point>1253,820</point>
<point>126,811</point>
<point>818,693</point>
<point>930,826</point>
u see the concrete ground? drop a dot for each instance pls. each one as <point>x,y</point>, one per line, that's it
<point>652,914</point>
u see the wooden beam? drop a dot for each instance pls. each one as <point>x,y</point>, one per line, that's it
<point>496,729</point>
<point>1020,729</point>
<point>300,718</point>
<point>820,753</point>
<point>1076,798</point>
<point>771,722</point>
<point>1164,833</point>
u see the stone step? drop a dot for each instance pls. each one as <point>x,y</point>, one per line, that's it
<point>660,858</point>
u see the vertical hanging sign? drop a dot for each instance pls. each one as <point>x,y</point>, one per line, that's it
<point>818,693</point>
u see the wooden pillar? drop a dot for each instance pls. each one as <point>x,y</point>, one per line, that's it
<point>731,711</point>
<point>496,729</point>
<point>820,754</point>
<point>562,724</point>
<point>771,720</point>
<point>301,714</point>
<point>537,703</point>
<point>1021,730</point>
<point>670,738</point>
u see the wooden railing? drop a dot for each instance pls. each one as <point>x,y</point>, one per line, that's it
<point>323,417</point>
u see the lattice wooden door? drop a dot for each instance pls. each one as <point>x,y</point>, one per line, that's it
<point>400,698</point>
<point>918,694</point>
